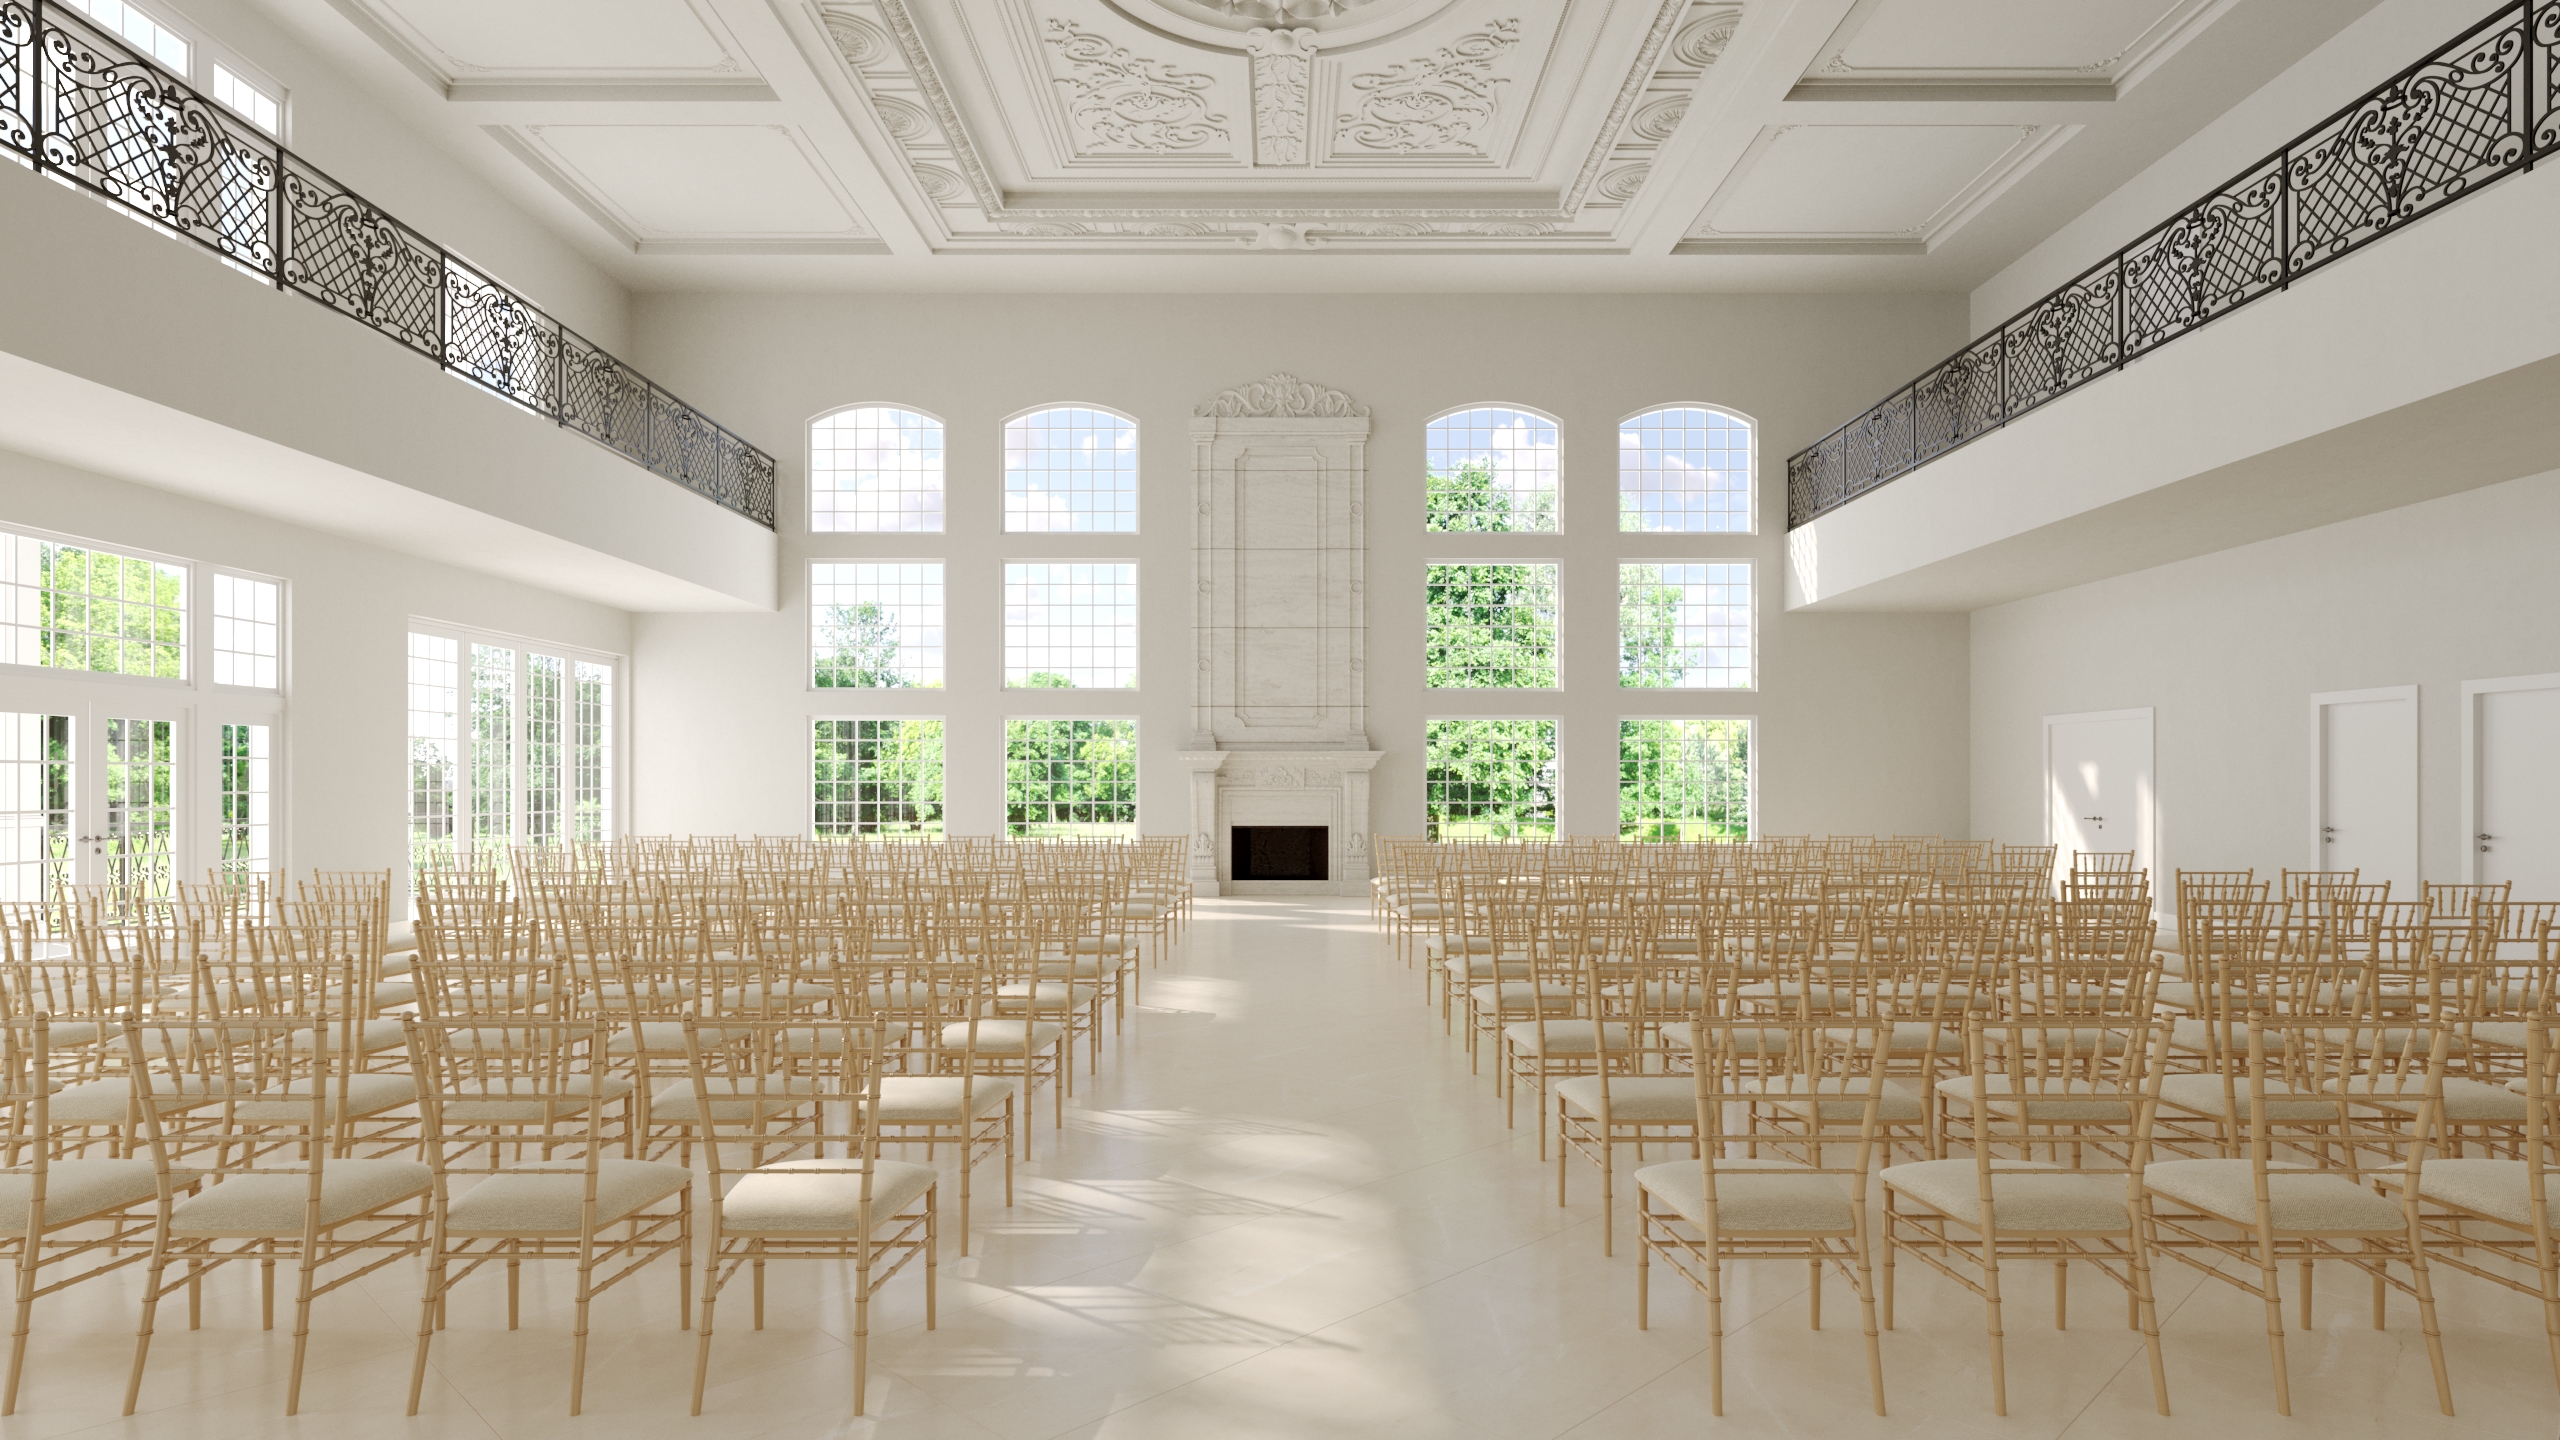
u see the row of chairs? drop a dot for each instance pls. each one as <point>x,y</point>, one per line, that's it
<point>631,1023</point>
<point>1592,985</point>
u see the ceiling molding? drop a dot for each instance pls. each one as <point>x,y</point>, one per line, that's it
<point>1430,111</point>
<point>502,92</point>
<point>2033,143</point>
<point>534,146</point>
<point>728,78</point>
<point>1833,76</point>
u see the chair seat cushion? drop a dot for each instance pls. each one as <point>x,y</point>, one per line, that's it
<point>76,1189</point>
<point>1914,1037</point>
<point>374,1037</point>
<point>2205,1095</point>
<point>1752,1196</point>
<point>789,993</point>
<point>546,1197</point>
<point>2050,1102</point>
<point>2468,1102</point>
<point>821,1196</point>
<point>1680,1035</point>
<point>2297,1199</point>
<point>1050,993</point>
<point>1896,1106</point>
<point>1512,996</point>
<point>1003,1036</point>
<point>677,1104</point>
<point>261,1205</point>
<point>2496,1188</point>
<point>1634,1099</point>
<point>1561,1037</point>
<point>662,1037</point>
<point>111,1101</point>
<point>488,1102</point>
<point>935,1099</point>
<point>2027,1197</point>
<point>290,1104</point>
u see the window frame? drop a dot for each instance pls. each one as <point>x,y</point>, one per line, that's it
<point>809,788</point>
<point>1751,482</point>
<point>1555,762</point>
<point>1556,656</point>
<point>1751,623</point>
<point>1751,766</point>
<point>809,432</point>
<point>617,729</point>
<point>1556,528</point>
<point>809,674</point>
<point>1004,763</point>
<point>1137,470</point>
<point>1004,625</point>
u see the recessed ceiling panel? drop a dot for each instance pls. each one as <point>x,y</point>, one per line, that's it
<point>699,183</point>
<point>1873,183</point>
<point>2001,34</point>
<point>488,40</point>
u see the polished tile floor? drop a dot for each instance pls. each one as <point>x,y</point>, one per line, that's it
<point>1286,1210</point>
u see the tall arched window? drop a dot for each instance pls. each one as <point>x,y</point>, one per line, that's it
<point>1490,467</point>
<point>875,467</point>
<point>1071,467</point>
<point>1684,467</point>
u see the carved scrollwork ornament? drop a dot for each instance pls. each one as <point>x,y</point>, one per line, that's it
<point>1282,395</point>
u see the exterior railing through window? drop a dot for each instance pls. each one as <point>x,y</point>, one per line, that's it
<point>2481,107</point>
<point>77,103</point>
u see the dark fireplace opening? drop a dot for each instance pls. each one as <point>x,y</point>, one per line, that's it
<point>1280,852</point>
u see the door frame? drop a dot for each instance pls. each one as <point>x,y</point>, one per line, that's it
<point>2146,846</point>
<point>2319,766</point>
<point>2472,690</point>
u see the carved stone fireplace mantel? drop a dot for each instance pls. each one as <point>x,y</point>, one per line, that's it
<point>1280,558</point>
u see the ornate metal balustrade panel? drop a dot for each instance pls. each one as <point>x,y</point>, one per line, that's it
<point>2482,107</point>
<point>78,103</point>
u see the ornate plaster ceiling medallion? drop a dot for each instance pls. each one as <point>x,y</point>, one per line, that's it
<point>1214,22</point>
<point>1131,98</point>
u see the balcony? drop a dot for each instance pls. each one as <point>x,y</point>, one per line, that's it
<point>2476,110</point>
<point>78,105</point>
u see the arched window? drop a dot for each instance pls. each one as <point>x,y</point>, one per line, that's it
<point>875,467</point>
<point>1071,467</point>
<point>1490,467</point>
<point>1684,467</point>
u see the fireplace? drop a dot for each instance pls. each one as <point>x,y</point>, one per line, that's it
<point>1280,852</point>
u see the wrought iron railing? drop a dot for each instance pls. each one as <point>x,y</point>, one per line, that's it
<point>78,104</point>
<point>2481,107</point>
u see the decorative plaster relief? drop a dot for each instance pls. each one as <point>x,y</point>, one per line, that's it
<point>1436,104</point>
<point>1282,396</point>
<point>1283,67</point>
<point>1123,103</point>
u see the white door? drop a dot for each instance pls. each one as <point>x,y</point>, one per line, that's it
<point>95,795</point>
<point>2513,760</point>
<point>2098,791</point>
<point>2364,787</point>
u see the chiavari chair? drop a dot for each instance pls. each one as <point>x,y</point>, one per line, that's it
<point>277,1190</point>
<point>2238,1219</point>
<point>832,1198</point>
<point>2054,1131</point>
<point>522,1083</point>
<point>79,1216</point>
<point>1781,1198</point>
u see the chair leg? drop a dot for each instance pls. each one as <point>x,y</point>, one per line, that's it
<point>578,1342</point>
<point>1644,1268</point>
<point>1997,1332</point>
<point>426,1330</point>
<point>1715,1330</point>
<point>18,1335</point>
<point>2061,1294</point>
<point>142,1336</point>
<point>301,1326</point>
<point>702,1341</point>
<point>2273,1292</point>
<point>2427,1315</point>
<point>1867,1320</point>
<point>2148,1311</point>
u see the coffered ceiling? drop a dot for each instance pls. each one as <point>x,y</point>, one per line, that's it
<point>1602,144</point>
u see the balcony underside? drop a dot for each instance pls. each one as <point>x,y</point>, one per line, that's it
<point>2426,365</point>
<point>134,355</point>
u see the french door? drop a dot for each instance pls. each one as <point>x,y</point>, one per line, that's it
<point>127,795</point>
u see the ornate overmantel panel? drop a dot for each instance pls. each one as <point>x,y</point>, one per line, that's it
<point>1280,560</point>
<point>1280,624</point>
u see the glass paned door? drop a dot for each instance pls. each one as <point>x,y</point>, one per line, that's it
<point>134,848</point>
<point>35,804</point>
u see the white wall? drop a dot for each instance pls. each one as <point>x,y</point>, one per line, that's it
<point>2229,648</point>
<point>1860,717</point>
<point>348,607</point>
